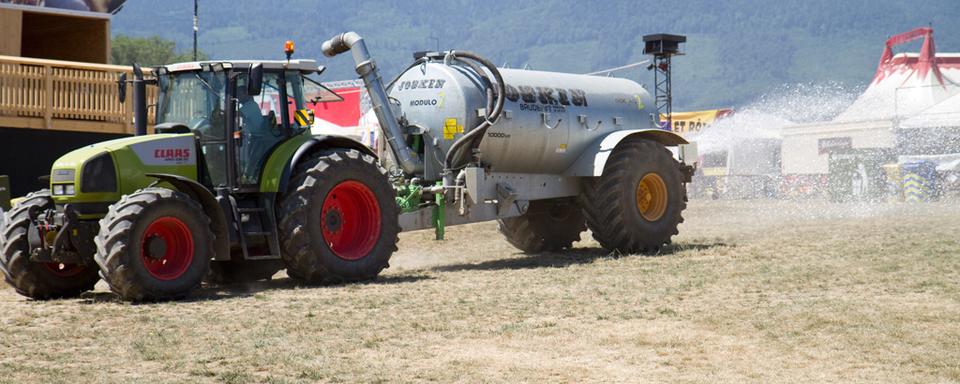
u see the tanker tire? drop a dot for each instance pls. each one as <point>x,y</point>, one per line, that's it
<point>31,279</point>
<point>610,201</point>
<point>120,245</point>
<point>547,226</point>
<point>304,249</point>
<point>243,271</point>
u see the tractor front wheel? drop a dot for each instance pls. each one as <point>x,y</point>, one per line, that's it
<point>154,244</point>
<point>33,279</point>
<point>635,205</point>
<point>339,220</point>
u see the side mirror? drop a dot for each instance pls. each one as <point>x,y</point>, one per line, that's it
<point>122,88</point>
<point>255,79</point>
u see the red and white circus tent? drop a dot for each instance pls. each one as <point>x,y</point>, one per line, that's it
<point>907,83</point>
<point>904,86</point>
<point>342,117</point>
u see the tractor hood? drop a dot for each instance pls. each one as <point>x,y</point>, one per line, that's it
<point>103,172</point>
<point>150,149</point>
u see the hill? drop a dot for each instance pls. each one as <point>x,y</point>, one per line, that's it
<point>737,50</point>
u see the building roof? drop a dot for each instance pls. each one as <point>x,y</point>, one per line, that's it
<point>64,11</point>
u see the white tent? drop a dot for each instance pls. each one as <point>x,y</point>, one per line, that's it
<point>904,86</point>
<point>944,114</point>
<point>907,83</point>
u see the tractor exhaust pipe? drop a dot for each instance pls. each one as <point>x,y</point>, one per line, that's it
<point>389,125</point>
<point>139,101</point>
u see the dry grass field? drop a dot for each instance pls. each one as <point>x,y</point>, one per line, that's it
<point>751,291</point>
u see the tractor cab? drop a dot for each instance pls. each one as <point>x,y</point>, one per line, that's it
<point>269,105</point>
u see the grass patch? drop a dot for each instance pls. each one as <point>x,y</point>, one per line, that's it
<point>759,291</point>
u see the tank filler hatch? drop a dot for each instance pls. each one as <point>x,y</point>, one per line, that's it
<point>662,47</point>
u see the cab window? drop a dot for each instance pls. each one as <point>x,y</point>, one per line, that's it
<point>261,125</point>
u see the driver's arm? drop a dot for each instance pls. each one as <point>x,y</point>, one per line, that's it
<point>250,111</point>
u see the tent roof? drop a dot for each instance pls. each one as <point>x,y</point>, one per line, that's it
<point>944,114</point>
<point>907,83</point>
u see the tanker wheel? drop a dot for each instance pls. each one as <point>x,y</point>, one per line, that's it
<point>33,279</point>
<point>154,244</point>
<point>242,271</point>
<point>635,205</point>
<point>339,219</point>
<point>547,226</point>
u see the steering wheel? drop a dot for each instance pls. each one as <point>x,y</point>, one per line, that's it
<point>206,124</point>
<point>199,123</point>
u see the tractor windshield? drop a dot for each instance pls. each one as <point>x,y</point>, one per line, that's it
<point>195,99</point>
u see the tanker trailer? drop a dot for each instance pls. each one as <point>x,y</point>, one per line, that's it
<point>546,154</point>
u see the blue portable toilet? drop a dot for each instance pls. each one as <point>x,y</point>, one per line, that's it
<point>920,181</point>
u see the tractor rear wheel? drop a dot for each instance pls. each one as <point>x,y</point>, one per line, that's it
<point>635,205</point>
<point>339,219</point>
<point>154,244</point>
<point>547,226</point>
<point>33,279</point>
<point>243,271</point>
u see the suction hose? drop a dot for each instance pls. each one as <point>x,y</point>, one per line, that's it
<point>367,69</point>
<point>454,158</point>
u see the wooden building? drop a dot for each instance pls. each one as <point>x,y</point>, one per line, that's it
<point>57,89</point>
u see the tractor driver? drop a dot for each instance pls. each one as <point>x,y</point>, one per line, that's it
<point>250,112</point>
<point>258,136</point>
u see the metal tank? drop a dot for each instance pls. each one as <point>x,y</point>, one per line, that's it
<point>472,142</point>
<point>548,118</point>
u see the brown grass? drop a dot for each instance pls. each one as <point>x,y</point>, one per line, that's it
<point>750,291</point>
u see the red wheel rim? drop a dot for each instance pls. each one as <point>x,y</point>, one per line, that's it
<point>167,248</point>
<point>64,270</point>
<point>350,220</point>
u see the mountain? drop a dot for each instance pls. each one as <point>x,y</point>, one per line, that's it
<point>737,50</point>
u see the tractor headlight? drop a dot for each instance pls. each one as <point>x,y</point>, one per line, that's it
<point>70,189</point>
<point>58,189</point>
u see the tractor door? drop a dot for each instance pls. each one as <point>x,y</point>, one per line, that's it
<point>265,122</point>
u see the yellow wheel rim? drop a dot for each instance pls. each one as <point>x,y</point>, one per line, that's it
<point>652,197</point>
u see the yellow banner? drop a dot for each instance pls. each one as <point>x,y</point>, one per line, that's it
<point>694,121</point>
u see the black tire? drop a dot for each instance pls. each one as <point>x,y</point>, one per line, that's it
<point>610,202</point>
<point>243,271</point>
<point>304,216</point>
<point>162,214</point>
<point>38,280</point>
<point>547,226</point>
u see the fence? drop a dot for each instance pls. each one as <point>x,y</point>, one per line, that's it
<point>64,95</point>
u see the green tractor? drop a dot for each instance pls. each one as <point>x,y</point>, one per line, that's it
<point>232,187</point>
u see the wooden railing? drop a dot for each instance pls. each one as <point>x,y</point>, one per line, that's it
<point>64,95</point>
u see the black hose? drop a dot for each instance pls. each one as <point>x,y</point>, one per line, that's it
<point>453,158</point>
<point>491,97</point>
<point>487,85</point>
